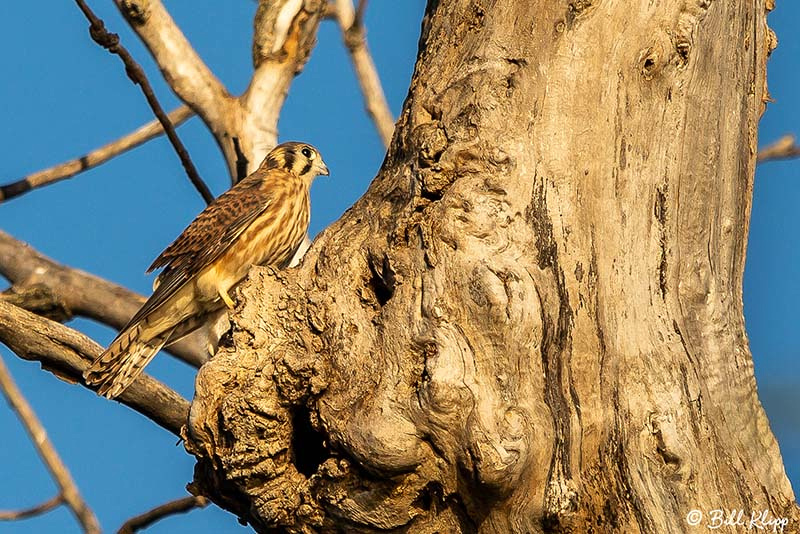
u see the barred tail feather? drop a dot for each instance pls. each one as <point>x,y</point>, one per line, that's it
<point>123,361</point>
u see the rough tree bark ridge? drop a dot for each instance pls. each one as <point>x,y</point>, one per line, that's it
<point>532,320</point>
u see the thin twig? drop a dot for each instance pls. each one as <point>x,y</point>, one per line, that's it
<point>110,41</point>
<point>182,68</point>
<point>96,157</point>
<point>39,509</point>
<point>783,148</point>
<point>351,24</point>
<point>178,506</point>
<point>67,353</point>
<point>66,485</point>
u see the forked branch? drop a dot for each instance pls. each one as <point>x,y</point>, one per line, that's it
<point>284,34</point>
<point>185,72</point>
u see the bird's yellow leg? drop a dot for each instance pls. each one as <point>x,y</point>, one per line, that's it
<point>225,297</point>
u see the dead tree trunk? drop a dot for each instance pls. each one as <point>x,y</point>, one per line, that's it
<point>532,321</point>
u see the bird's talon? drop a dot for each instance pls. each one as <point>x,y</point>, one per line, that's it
<point>228,301</point>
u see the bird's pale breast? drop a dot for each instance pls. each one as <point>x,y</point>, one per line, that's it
<point>271,239</point>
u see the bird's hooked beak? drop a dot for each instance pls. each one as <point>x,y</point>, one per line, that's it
<point>323,169</point>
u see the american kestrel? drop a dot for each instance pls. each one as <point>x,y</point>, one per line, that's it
<point>262,220</point>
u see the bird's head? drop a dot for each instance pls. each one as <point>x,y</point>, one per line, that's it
<point>300,159</point>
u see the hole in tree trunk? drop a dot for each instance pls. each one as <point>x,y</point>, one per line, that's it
<point>382,280</point>
<point>431,496</point>
<point>382,292</point>
<point>433,196</point>
<point>308,444</point>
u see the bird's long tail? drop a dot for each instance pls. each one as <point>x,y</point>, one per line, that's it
<point>124,360</point>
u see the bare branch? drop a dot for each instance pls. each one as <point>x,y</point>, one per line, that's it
<point>351,24</point>
<point>110,41</point>
<point>783,148</point>
<point>39,509</point>
<point>37,279</point>
<point>185,72</point>
<point>68,169</point>
<point>47,452</point>
<point>281,44</point>
<point>178,506</point>
<point>67,353</point>
<point>284,34</point>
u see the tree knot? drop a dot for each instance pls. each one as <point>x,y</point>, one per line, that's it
<point>99,34</point>
<point>134,12</point>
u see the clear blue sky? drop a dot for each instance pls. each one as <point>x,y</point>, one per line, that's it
<point>63,96</point>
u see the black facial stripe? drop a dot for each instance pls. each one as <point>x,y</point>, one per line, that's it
<point>289,160</point>
<point>306,168</point>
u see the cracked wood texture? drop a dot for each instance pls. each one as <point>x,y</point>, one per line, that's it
<point>532,320</point>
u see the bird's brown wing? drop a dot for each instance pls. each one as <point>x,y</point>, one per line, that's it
<point>208,237</point>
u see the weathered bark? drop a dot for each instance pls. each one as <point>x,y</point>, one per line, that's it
<point>532,321</point>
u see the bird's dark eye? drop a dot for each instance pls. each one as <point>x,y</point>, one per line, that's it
<point>306,152</point>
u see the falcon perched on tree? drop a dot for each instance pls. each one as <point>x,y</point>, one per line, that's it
<point>262,220</point>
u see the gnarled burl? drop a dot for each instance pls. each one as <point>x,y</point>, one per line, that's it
<point>532,320</point>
